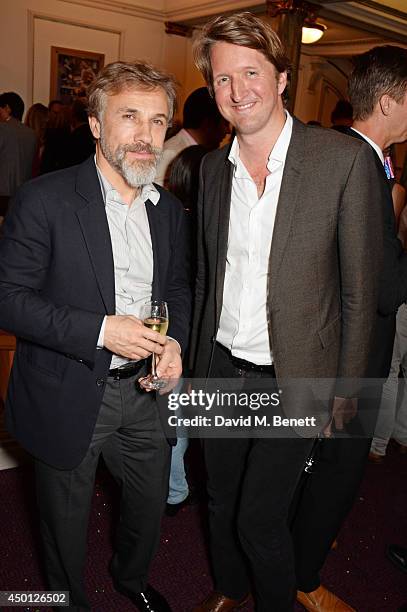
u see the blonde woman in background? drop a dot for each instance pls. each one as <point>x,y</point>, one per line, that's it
<point>36,119</point>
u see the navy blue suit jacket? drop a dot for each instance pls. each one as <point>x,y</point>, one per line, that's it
<point>56,285</point>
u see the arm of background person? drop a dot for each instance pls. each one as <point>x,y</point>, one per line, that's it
<point>393,280</point>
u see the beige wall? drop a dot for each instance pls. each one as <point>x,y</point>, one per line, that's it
<point>28,28</point>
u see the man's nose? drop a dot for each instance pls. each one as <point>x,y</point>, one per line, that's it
<point>238,89</point>
<point>142,132</point>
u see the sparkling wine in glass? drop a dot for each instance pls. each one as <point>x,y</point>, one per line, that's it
<point>155,317</point>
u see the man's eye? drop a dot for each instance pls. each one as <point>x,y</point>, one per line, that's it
<point>251,73</point>
<point>222,80</point>
<point>129,116</point>
<point>158,122</point>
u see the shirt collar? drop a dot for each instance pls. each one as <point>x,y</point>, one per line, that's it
<point>148,192</point>
<point>372,144</point>
<point>278,152</point>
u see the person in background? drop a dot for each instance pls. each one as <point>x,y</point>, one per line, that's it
<point>56,139</point>
<point>342,116</point>
<point>55,107</point>
<point>81,143</point>
<point>183,179</point>
<point>202,124</point>
<point>403,176</point>
<point>392,415</point>
<point>183,182</point>
<point>18,145</point>
<point>378,93</point>
<point>398,192</point>
<point>36,119</point>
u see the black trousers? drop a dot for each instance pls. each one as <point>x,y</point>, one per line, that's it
<point>127,434</point>
<point>325,497</point>
<point>250,485</point>
<point>324,500</point>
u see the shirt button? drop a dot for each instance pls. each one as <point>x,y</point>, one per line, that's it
<point>100,382</point>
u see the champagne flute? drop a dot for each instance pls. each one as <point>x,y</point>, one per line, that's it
<point>155,317</point>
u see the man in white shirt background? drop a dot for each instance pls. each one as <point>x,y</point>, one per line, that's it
<point>202,124</point>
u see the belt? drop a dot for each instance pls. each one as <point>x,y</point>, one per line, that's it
<point>242,364</point>
<point>126,371</point>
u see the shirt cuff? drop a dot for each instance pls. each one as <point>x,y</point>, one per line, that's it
<point>180,349</point>
<point>101,339</point>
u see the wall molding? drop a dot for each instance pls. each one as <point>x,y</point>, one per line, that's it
<point>363,12</point>
<point>384,23</point>
<point>213,7</point>
<point>125,8</point>
<point>389,10</point>
<point>344,48</point>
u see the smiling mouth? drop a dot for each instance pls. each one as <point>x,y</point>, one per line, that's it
<point>244,107</point>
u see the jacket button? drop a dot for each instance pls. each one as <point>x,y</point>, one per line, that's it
<point>100,382</point>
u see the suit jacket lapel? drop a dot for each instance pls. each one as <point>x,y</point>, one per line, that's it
<point>222,197</point>
<point>287,202</point>
<point>93,221</point>
<point>158,219</point>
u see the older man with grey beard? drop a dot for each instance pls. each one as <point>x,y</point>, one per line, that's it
<point>83,250</point>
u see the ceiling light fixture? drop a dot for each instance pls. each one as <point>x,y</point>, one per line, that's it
<point>312,31</point>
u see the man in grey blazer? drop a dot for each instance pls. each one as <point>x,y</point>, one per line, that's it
<point>290,247</point>
<point>18,144</point>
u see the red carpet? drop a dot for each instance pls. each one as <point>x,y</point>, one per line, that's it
<point>358,571</point>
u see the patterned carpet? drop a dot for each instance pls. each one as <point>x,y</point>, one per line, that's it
<point>358,570</point>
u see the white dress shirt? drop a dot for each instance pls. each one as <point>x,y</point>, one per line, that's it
<point>372,144</point>
<point>172,147</point>
<point>132,252</point>
<point>243,322</point>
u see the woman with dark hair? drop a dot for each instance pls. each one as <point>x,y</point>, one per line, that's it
<point>183,179</point>
<point>56,141</point>
<point>183,182</point>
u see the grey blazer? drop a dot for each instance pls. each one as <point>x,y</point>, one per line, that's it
<point>325,259</point>
<point>18,144</point>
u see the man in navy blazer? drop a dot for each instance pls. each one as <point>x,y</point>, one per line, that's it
<point>83,249</point>
<point>378,93</point>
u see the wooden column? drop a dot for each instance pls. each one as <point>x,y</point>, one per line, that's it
<point>287,18</point>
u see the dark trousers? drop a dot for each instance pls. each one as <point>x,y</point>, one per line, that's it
<point>324,500</point>
<point>325,497</point>
<point>250,485</point>
<point>127,434</point>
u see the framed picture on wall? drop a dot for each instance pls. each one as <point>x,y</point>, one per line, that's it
<point>72,71</point>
